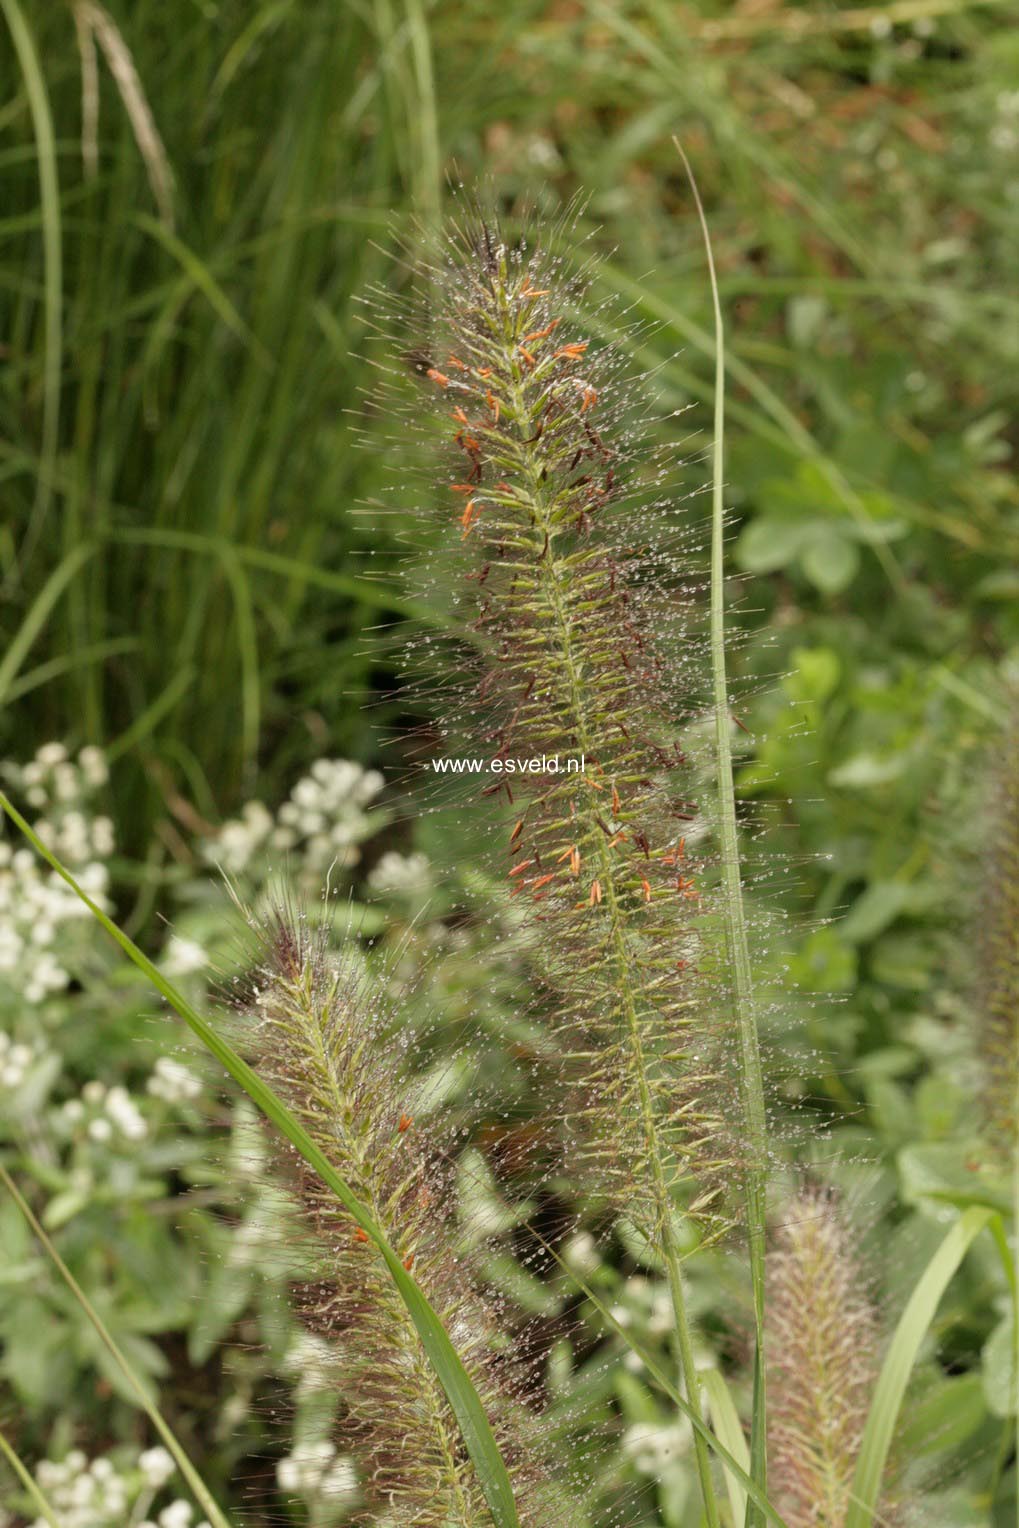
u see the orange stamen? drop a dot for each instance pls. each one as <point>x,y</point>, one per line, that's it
<point>542,334</point>
<point>524,865</point>
<point>408,1262</point>
<point>493,404</point>
<point>595,893</point>
<point>646,888</point>
<point>437,376</point>
<point>406,1120</point>
<point>361,1236</point>
<point>571,351</point>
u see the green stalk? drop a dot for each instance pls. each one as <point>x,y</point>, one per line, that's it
<point>752,1078</point>
<point>38,1500</point>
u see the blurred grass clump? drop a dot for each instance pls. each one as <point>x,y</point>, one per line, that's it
<point>196,195</point>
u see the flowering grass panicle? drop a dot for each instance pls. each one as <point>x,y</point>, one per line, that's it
<point>325,1041</point>
<point>581,635</point>
<point>998,944</point>
<point>822,1362</point>
<point>579,617</point>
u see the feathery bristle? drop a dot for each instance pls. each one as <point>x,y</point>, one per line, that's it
<point>577,618</point>
<point>998,944</point>
<point>822,1363</point>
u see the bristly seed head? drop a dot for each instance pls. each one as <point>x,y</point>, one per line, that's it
<point>579,618</point>
<point>324,1038</point>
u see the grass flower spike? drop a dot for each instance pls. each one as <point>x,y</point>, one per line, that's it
<point>324,1041</point>
<point>584,659</point>
<point>822,1363</point>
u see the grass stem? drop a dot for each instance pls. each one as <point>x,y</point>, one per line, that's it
<point>751,1074</point>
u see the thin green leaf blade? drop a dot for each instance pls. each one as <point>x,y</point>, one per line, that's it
<point>726,1422</point>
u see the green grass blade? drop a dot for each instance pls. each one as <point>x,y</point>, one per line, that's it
<point>751,1074</point>
<point>53,277</point>
<point>898,1365</point>
<point>205,282</point>
<point>477,1433</point>
<point>197,1485</point>
<point>38,614</point>
<point>153,714</point>
<point>38,1500</point>
<point>725,1420</point>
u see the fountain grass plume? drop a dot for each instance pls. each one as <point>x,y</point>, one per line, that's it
<point>822,1362</point>
<point>323,1034</point>
<point>998,992</point>
<point>998,944</point>
<point>582,654</point>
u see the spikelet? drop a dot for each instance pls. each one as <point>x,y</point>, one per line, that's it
<point>576,615</point>
<point>998,946</point>
<point>822,1363</point>
<point>324,1041</point>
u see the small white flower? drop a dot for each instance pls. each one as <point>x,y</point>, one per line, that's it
<point>340,1482</point>
<point>100,1130</point>
<point>156,1464</point>
<point>177,1515</point>
<point>182,956</point>
<point>172,1081</point>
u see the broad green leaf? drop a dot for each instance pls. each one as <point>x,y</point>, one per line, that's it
<point>999,1370</point>
<point>830,560</point>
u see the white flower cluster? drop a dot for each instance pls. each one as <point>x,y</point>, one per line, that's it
<point>321,824</point>
<point>1004,133</point>
<point>15,1061</point>
<point>105,1112</point>
<point>182,957</point>
<point>35,905</point>
<point>173,1082</point>
<point>317,1470</point>
<point>401,872</point>
<point>653,1447</point>
<point>98,1494</point>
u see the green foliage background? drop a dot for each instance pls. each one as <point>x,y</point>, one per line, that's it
<point>189,570</point>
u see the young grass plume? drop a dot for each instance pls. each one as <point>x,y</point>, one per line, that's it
<point>324,1038</point>
<point>998,943</point>
<point>583,661</point>
<point>822,1361</point>
<point>998,992</point>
